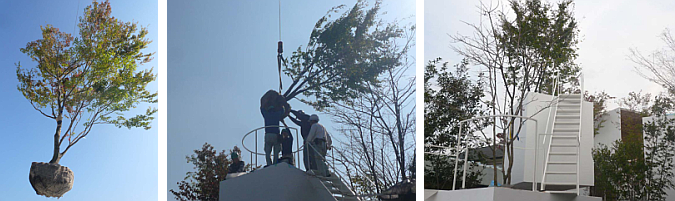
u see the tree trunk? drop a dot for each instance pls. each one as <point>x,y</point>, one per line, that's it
<point>57,156</point>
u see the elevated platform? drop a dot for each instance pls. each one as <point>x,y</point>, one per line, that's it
<point>281,182</point>
<point>500,194</point>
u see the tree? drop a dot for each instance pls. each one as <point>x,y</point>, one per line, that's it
<point>379,126</point>
<point>640,167</point>
<point>659,148</point>
<point>343,55</point>
<point>638,102</point>
<point>622,168</point>
<point>660,64</point>
<point>440,172</point>
<point>599,101</point>
<point>91,79</point>
<point>521,55</point>
<point>210,169</point>
<point>449,97</point>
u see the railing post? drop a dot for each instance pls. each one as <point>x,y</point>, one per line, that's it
<point>256,148</point>
<point>297,147</point>
<point>454,175</point>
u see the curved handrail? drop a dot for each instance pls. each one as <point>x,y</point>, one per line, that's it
<point>298,148</point>
<point>262,154</point>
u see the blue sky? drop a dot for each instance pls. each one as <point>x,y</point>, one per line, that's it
<point>222,59</point>
<point>111,163</point>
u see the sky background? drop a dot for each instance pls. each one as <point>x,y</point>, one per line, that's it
<point>110,163</point>
<point>222,59</point>
<point>608,29</point>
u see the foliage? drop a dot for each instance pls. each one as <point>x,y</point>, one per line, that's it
<point>599,100</point>
<point>379,128</point>
<point>343,54</point>
<point>637,102</point>
<point>91,79</point>
<point>449,97</point>
<point>640,167</point>
<point>519,55</point>
<point>440,170</point>
<point>621,170</point>
<point>210,169</point>
<point>660,64</point>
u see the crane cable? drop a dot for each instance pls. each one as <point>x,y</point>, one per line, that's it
<point>280,50</point>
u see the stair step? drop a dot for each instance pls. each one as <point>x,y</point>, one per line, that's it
<point>567,116</point>
<point>562,153</point>
<point>568,104</point>
<point>561,162</point>
<point>568,110</point>
<point>563,145</point>
<point>334,191</point>
<point>566,130</point>
<point>566,123</point>
<point>563,136</point>
<point>562,192</point>
<point>561,184</point>
<point>561,173</point>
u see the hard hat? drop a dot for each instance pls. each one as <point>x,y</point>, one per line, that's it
<point>314,117</point>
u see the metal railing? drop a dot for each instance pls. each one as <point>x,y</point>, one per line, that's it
<point>465,149</point>
<point>257,154</point>
<point>581,105</point>
<point>334,170</point>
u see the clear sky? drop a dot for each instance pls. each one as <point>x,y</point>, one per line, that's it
<point>222,59</point>
<point>110,163</point>
<point>608,29</point>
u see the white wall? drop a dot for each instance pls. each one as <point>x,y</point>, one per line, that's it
<point>611,128</point>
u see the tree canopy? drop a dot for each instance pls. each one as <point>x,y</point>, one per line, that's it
<point>343,54</point>
<point>89,79</point>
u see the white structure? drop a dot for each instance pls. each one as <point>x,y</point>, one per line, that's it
<point>281,182</point>
<point>559,150</point>
<point>611,128</point>
<point>500,194</point>
<point>557,138</point>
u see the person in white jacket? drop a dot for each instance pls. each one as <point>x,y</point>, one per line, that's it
<point>320,141</point>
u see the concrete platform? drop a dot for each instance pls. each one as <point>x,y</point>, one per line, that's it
<point>500,194</point>
<point>281,182</point>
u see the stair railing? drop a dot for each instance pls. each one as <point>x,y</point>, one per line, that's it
<point>581,110</point>
<point>466,149</point>
<point>553,109</point>
<point>334,171</point>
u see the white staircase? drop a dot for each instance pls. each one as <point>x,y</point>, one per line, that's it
<point>338,188</point>
<point>561,168</point>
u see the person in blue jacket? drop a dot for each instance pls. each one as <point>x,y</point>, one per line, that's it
<point>273,114</point>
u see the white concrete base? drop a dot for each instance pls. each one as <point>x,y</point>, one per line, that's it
<point>281,182</point>
<point>500,194</point>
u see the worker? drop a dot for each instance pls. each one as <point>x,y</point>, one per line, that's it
<point>302,120</point>
<point>286,147</point>
<point>273,114</point>
<point>320,141</point>
<point>237,164</point>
